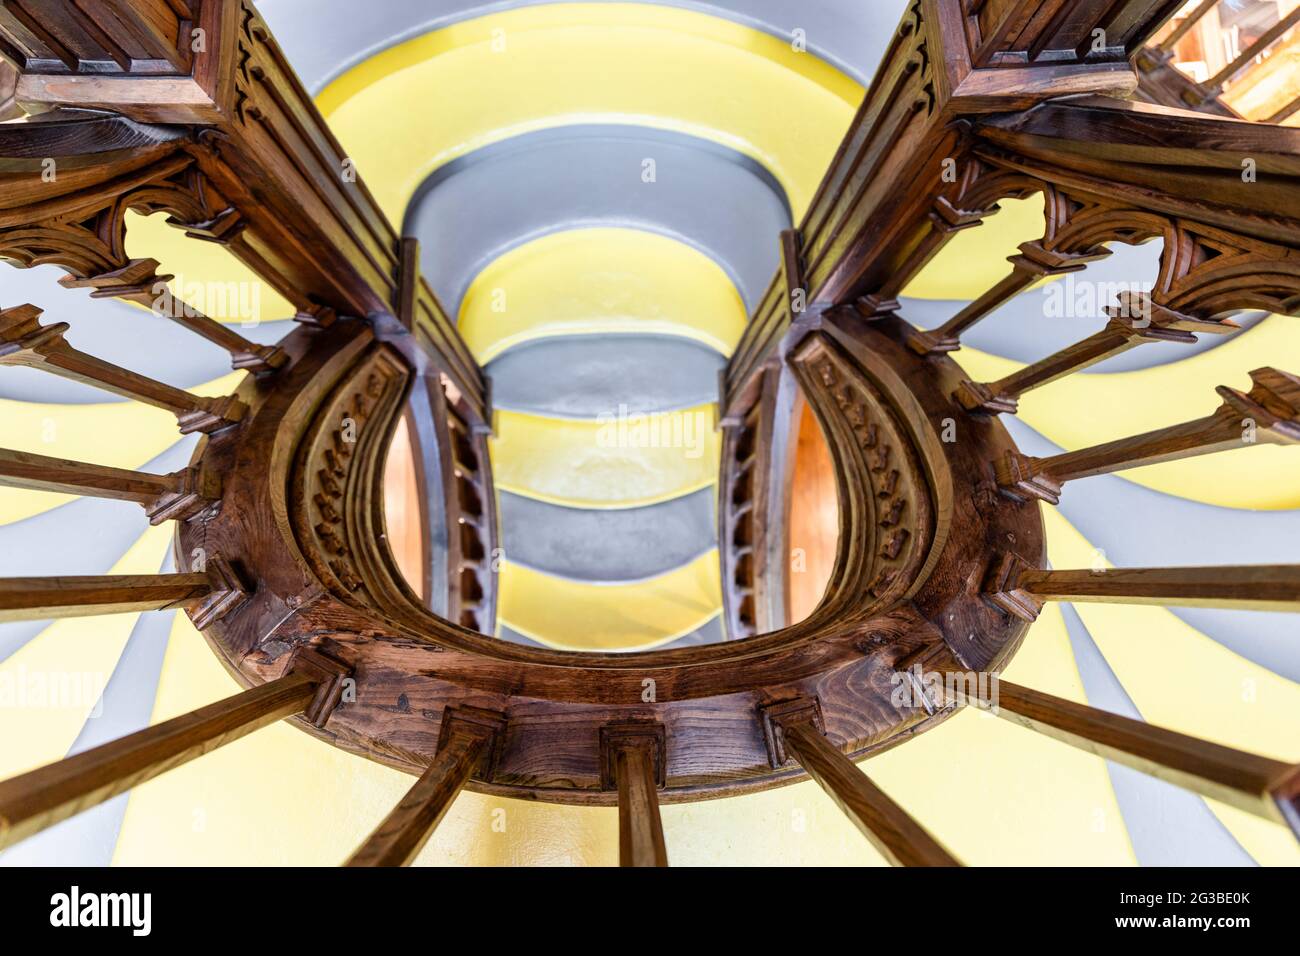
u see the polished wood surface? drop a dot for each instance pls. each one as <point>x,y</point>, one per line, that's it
<point>403,833</point>
<point>33,801</point>
<point>892,831</point>
<point>1242,780</point>
<point>36,599</point>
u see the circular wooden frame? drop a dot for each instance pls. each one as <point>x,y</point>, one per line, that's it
<point>301,516</point>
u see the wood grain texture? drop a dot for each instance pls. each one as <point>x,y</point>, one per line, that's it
<point>36,599</point>
<point>1242,780</point>
<point>892,831</point>
<point>33,801</point>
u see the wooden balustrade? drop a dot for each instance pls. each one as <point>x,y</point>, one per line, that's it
<point>1021,590</point>
<point>1214,85</point>
<point>24,341</point>
<point>1268,414</point>
<point>634,762</point>
<point>1264,787</point>
<point>793,731</point>
<point>179,495</point>
<point>467,740</point>
<point>41,798</point>
<point>1136,321</point>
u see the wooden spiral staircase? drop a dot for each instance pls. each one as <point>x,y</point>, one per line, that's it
<point>282,557</point>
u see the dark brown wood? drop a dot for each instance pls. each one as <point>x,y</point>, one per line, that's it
<point>1268,414</point>
<point>33,801</point>
<point>1136,321</point>
<point>180,495</point>
<point>1022,590</point>
<point>794,731</point>
<point>24,341</point>
<point>467,738</point>
<point>35,599</point>
<point>634,759</point>
<point>1242,780</point>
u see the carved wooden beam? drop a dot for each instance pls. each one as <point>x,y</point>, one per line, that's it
<point>24,341</point>
<point>265,177</point>
<point>1021,590</point>
<point>33,801</point>
<point>634,762</point>
<point>209,595</point>
<point>887,203</point>
<point>793,730</point>
<point>1136,321</point>
<point>180,495</point>
<point>469,738</point>
<point>1268,414</point>
<point>1261,786</point>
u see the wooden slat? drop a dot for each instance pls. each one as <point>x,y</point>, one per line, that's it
<point>1268,414</point>
<point>1185,25</point>
<point>24,341</point>
<point>1244,780</point>
<point>467,738</point>
<point>640,829</point>
<point>180,494</point>
<point>891,830</point>
<point>137,282</point>
<point>33,801</point>
<point>37,599</point>
<point>1265,587</point>
<point>1214,84</point>
<point>1134,322</point>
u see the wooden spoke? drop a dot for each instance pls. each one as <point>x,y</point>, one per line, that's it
<point>1185,26</point>
<point>24,341</point>
<point>1134,322</point>
<point>33,801</point>
<point>209,596</point>
<point>138,281</point>
<point>1022,591</point>
<point>182,494</point>
<point>1214,85</point>
<point>633,761</point>
<point>793,731</point>
<point>1258,785</point>
<point>1033,264</point>
<point>1268,414</point>
<point>468,738</point>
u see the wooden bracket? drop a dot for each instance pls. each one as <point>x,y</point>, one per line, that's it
<point>476,722</point>
<point>228,593</point>
<point>332,674</point>
<point>637,733</point>
<point>1002,589</point>
<point>777,716</point>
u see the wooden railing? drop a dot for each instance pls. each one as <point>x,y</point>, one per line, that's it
<point>942,554</point>
<point>1163,82</point>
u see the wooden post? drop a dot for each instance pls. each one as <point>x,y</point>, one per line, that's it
<point>469,738</point>
<point>1135,322</point>
<point>1268,414</point>
<point>138,281</point>
<point>181,494</point>
<point>33,801</point>
<point>1034,263</point>
<point>35,599</point>
<point>1264,787</point>
<point>24,341</point>
<point>209,596</point>
<point>1022,591</point>
<point>792,729</point>
<point>633,761</point>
